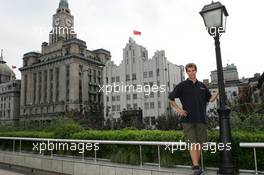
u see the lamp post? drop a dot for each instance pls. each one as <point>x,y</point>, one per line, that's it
<point>214,16</point>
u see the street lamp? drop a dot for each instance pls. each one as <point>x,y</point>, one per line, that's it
<point>214,16</point>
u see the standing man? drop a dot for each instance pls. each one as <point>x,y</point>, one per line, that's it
<point>194,96</point>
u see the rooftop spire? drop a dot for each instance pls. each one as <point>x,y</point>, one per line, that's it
<point>1,57</point>
<point>64,4</point>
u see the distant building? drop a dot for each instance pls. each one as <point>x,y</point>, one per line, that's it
<point>256,88</point>
<point>64,76</point>
<point>230,74</point>
<point>9,94</point>
<point>137,70</point>
<point>244,90</point>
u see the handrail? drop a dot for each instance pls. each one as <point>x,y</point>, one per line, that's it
<point>253,145</point>
<point>139,143</point>
<point>120,142</point>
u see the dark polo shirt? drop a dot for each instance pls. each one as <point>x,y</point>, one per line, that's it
<point>194,98</point>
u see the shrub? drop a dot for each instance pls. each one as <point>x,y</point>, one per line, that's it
<point>65,128</point>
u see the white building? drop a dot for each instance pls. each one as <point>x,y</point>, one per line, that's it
<point>138,71</point>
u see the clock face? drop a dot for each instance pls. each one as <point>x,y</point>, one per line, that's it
<point>68,22</point>
<point>57,21</point>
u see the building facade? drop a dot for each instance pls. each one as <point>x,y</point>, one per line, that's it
<point>64,76</point>
<point>9,94</point>
<point>140,83</point>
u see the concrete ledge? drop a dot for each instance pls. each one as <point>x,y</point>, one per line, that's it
<point>64,165</point>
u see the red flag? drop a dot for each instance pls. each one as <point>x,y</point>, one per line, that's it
<point>136,32</point>
<point>13,67</point>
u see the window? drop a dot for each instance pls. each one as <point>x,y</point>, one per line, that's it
<point>134,96</point>
<point>117,79</point>
<point>152,120</point>
<point>113,98</point>
<point>151,105</point>
<point>135,106</point>
<point>35,87</point>
<point>128,106</point>
<point>67,82</point>
<point>151,95</point>
<point>134,76</point>
<point>117,107</point>
<point>158,73</point>
<point>145,75</point>
<point>118,98</point>
<point>117,88</point>
<point>159,104</point>
<point>127,77</point>
<point>150,73</point>
<point>146,105</point>
<point>113,79</point>
<point>128,96</point>
<point>51,84</point>
<point>39,84</point>
<point>45,85</point>
<point>113,108</point>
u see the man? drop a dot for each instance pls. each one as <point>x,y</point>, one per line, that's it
<point>194,96</point>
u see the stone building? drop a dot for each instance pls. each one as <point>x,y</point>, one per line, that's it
<point>64,76</point>
<point>9,94</point>
<point>137,71</point>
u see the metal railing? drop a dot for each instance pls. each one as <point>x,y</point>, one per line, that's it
<point>105,142</point>
<point>118,142</point>
<point>254,146</point>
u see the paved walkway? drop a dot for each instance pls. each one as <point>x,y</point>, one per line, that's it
<point>5,172</point>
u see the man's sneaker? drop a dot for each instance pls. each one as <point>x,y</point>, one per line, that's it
<point>197,170</point>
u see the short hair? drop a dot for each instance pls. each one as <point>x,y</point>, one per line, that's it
<point>190,65</point>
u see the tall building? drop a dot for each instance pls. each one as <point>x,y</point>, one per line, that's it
<point>140,83</point>
<point>64,76</point>
<point>9,94</point>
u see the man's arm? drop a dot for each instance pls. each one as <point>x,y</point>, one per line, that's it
<point>179,110</point>
<point>214,96</point>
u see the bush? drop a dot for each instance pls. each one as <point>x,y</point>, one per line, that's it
<point>65,128</point>
<point>247,122</point>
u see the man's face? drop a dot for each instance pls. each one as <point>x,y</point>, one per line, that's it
<point>191,72</point>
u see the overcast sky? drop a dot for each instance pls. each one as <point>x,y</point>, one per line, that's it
<point>171,25</point>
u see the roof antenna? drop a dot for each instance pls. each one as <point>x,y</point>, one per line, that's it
<point>228,61</point>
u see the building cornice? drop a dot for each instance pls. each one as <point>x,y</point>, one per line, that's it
<point>88,59</point>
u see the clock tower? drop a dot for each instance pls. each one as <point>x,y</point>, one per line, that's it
<point>62,24</point>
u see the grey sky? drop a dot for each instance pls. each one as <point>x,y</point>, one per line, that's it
<point>171,25</point>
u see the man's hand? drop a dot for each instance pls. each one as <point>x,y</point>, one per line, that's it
<point>181,112</point>
<point>214,96</point>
